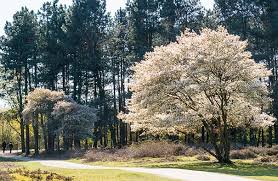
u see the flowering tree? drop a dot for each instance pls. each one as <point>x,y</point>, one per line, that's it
<point>206,79</point>
<point>76,120</point>
<point>38,110</point>
<point>58,115</point>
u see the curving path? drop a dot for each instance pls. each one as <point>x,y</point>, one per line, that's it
<point>179,174</point>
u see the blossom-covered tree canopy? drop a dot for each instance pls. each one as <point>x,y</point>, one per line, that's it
<point>68,117</point>
<point>42,101</point>
<point>206,79</point>
<point>75,118</point>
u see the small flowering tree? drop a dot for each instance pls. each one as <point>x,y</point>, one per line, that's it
<point>38,110</point>
<point>76,120</point>
<point>206,79</point>
<point>58,115</point>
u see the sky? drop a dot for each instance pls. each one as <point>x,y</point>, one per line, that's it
<point>10,7</point>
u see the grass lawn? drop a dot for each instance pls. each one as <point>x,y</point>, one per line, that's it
<point>240,168</point>
<point>84,175</point>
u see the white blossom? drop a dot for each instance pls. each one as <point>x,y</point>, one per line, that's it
<point>201,77</point>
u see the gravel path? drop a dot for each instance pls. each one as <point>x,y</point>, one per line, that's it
<point>179,174</point>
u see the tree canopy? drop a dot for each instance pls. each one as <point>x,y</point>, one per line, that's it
<point>206,79</point>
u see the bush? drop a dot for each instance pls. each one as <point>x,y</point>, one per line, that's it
<point>272,151</point>
<point>153,149</point>
<point>266,159</point>
<point>156,149</point>
<point>243,154</point>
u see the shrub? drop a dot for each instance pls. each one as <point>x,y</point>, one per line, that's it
<point>154,149</point>
<point>266,159</point>
<point>272,151</point>
<point>243,154</point>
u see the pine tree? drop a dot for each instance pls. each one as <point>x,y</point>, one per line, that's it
<point>18,47</point>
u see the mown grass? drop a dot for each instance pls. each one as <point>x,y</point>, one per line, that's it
<point>99,175</point>
<point>84,175</point>
<point>246,168</point>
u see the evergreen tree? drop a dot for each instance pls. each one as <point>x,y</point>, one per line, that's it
<point>18,47</point>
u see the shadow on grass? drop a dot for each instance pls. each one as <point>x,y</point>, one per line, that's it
<point>4,160</point>
<point>239,169</point>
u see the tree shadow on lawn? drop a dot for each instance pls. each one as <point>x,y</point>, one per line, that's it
<point>239,169</point>
<point>7,160</point>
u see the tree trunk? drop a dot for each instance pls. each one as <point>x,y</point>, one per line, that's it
<point>203,134</point>
<point>51,141</point>
<point>276,132</point>
<point>27,138</point>
<point>77,144</point>
<point>36,134</point>
<point>244,137</point>
<point>66,143</point>
<point>270,136</point>
<point>22,136</point>
<point>113,136</point>
<point>263,138</point>
<point>222,148</point>
<point>252,137</point>
<point>44,132</point>
<point>20,102</point>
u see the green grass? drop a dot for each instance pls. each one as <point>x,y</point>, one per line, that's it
<point>87,175</point>
<point>100,175</point>
<point>247,169</point>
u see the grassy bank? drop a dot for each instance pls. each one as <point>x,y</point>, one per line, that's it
<point>85,175</point>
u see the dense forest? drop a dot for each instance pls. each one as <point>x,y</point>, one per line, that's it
<point>87,53</point>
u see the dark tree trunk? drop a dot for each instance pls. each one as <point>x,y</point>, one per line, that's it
<point>20,101</point>
<point>252,137</point>
<point>66,143</point>
<point>220,142</point>
<point>270,136</point>
<point>64,79</point>
<point>51,141</point>
<point>259,138</point>
<point>276,132</point>
<point>36,134</point>
<point>22,136</point>
<point>122,133</point>
<point>77,144</point>
<point>203,134</point>
<point>105,141</point>
<point>96,137</point>
<point>244,137</point>
<point>27,139</point>
<point>113,136</point>
<point>136,136</point>
<point>263,138</point>
<point>44,132</point>
<point>26,93</point>
<point>130,135</point>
